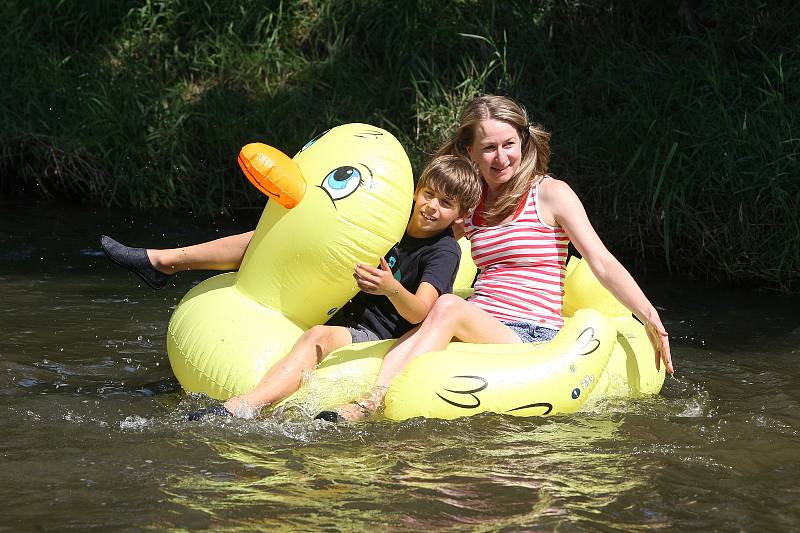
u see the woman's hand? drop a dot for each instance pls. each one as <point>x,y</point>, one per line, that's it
<point>561,203</point>
<point>660,340</point>
<point>376,280</point>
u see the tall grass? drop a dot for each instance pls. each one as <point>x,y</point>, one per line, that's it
<point>677,122</point>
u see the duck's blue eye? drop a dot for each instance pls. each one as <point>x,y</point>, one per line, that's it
<point>313,140</point>
<point>342,182</point>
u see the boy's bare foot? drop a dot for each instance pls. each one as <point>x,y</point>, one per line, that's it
<point>239,407</point>
<point>135,260</point>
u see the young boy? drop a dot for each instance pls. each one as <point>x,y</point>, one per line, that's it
<point>394,296</point>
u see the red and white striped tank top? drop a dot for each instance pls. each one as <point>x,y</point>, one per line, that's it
<point>522,265</point>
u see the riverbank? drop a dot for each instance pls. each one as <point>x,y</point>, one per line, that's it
<point>675,123</point>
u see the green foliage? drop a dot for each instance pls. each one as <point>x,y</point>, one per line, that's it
<point>676,121</point>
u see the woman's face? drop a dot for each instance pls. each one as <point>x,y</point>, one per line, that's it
<point>497,150</point>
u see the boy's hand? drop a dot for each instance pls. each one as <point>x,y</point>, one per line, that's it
<point>376,280</point>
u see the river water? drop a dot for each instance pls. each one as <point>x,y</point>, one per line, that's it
<point>95,435</point>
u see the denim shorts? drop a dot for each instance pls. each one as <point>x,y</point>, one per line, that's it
<point>530,332</point>
<point>362,334</point>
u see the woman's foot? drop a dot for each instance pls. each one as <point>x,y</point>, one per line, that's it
<point>352,412</point>
<point>135,260</point>
<point>358,410</point>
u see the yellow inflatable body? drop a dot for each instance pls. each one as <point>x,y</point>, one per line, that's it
<point>230,329</point>
<point>351,206</point>
<point>601,352</point>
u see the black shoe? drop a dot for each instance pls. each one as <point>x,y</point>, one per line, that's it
<point>214,410</point>
<point>360,412</point>
<point>329,416</point>
<point>135,260</point>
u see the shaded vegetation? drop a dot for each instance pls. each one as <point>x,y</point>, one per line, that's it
<point>677,122</point>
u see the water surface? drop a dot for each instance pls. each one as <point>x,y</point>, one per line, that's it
<point>95,432</point>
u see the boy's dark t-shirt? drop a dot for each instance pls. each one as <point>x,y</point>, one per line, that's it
<point>434,260</point>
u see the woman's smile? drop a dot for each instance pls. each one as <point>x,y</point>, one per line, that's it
<point>496,149</point>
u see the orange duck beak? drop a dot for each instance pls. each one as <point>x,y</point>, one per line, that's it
<point>273,173</point>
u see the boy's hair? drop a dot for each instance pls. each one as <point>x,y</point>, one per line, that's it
<point>454,177</point>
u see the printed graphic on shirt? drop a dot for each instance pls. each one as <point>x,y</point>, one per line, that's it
<point>392,261</point>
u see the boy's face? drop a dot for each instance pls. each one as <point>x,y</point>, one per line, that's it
<point>432,213</point>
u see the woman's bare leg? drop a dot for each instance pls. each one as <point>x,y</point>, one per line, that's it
<point>286,375</point>
<point>154,267</point>
<point>225,253</point>
<point>450,318</point>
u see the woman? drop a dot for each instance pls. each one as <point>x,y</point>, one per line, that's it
<point>519,234</point>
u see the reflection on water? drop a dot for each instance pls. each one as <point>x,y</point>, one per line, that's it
<point>95,430</point>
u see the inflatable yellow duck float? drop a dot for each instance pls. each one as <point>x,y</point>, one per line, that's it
<point>343,199</point>
<point>601,352</point>
<point>228,331</point>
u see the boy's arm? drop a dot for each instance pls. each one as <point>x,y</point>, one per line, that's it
<point>414,307</point>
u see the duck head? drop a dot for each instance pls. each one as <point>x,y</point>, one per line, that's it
<point>343,199</point>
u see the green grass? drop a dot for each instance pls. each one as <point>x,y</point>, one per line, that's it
<point>679,131</point>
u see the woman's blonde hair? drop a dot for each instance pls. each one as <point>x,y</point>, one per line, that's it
<point>535,149</point>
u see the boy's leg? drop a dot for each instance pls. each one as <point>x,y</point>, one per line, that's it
<point>285,376</point>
